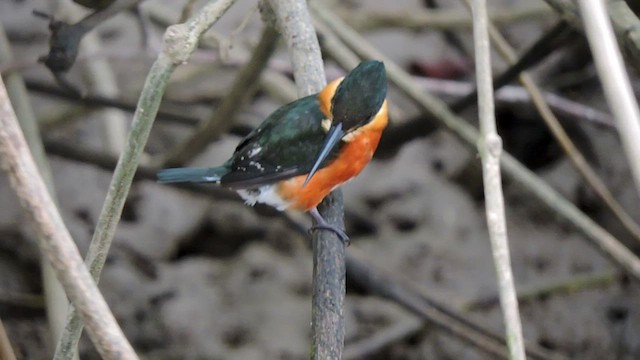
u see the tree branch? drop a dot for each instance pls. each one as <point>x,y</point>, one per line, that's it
<point>55,240</point>
<point>327,319</point>
<point>490,148</point>
<point>617,88</point>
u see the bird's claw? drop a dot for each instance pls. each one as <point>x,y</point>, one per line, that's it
<point>339,232</point>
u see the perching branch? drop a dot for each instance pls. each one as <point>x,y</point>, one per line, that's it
<point>600,238</point>
<point>327,318</point>
<point>55,240</point>
<point>490,149</point>
<point>612,73</point>
<point>179,43</point>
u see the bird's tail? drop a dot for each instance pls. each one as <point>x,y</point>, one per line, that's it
<point>194,175</point>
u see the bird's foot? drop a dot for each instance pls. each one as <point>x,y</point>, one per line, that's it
<point>322,224</point>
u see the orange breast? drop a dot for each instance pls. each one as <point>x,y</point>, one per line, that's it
<point>355,155</point>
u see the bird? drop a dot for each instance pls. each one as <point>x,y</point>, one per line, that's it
<point>306,148</point>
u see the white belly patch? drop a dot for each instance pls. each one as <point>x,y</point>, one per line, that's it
<point>265,195</point>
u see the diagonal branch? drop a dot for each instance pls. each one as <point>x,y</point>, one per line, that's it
<point>490,148</point>
<point>55,240</point>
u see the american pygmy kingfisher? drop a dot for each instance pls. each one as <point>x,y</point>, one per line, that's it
<point>306,148</point>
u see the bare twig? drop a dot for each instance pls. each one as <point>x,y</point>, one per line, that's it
<point>490,148</point>
<point>179,43</point>
<point>55,239</point>
<point>327,318</point>
<point>615,81</point>
<point>599,237</point>
<point>241,91</point>
<point>57,303</point>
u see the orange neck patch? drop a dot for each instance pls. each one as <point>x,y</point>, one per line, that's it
<point>354,156</point>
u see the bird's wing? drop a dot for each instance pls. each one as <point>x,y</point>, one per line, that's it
<point>283,146</point>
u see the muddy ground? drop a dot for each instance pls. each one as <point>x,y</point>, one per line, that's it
<point>196,277</point>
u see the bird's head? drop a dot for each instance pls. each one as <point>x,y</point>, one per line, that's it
<point>350,103</point>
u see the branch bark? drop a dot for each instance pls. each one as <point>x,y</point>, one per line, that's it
<point>490,148</point>
<point>55,240</point>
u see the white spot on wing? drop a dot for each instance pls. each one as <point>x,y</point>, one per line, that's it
<point>266,195</point>
<point>255,151</point>
<point>212,178</point>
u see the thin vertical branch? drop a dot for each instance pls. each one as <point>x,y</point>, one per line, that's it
<point>179,43</point>
<point>57,303</point>
<point>490,148</point>
<point>327,319</point>
<point>55,240</point>
<point>615,81</point>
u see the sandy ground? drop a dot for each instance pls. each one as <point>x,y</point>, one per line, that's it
<point>191,277</point>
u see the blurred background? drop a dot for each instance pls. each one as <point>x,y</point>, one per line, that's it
<point>196,274</point>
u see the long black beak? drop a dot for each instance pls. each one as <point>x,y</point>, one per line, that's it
<point>333,137</point>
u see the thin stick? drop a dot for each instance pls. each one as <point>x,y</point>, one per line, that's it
<point>55,239</point>
<point>327,318</point>
<point>56,299</point>
<point>600,238</point>
<point>179,43</point>
<point>490,148</point>
<point>615,81</point>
